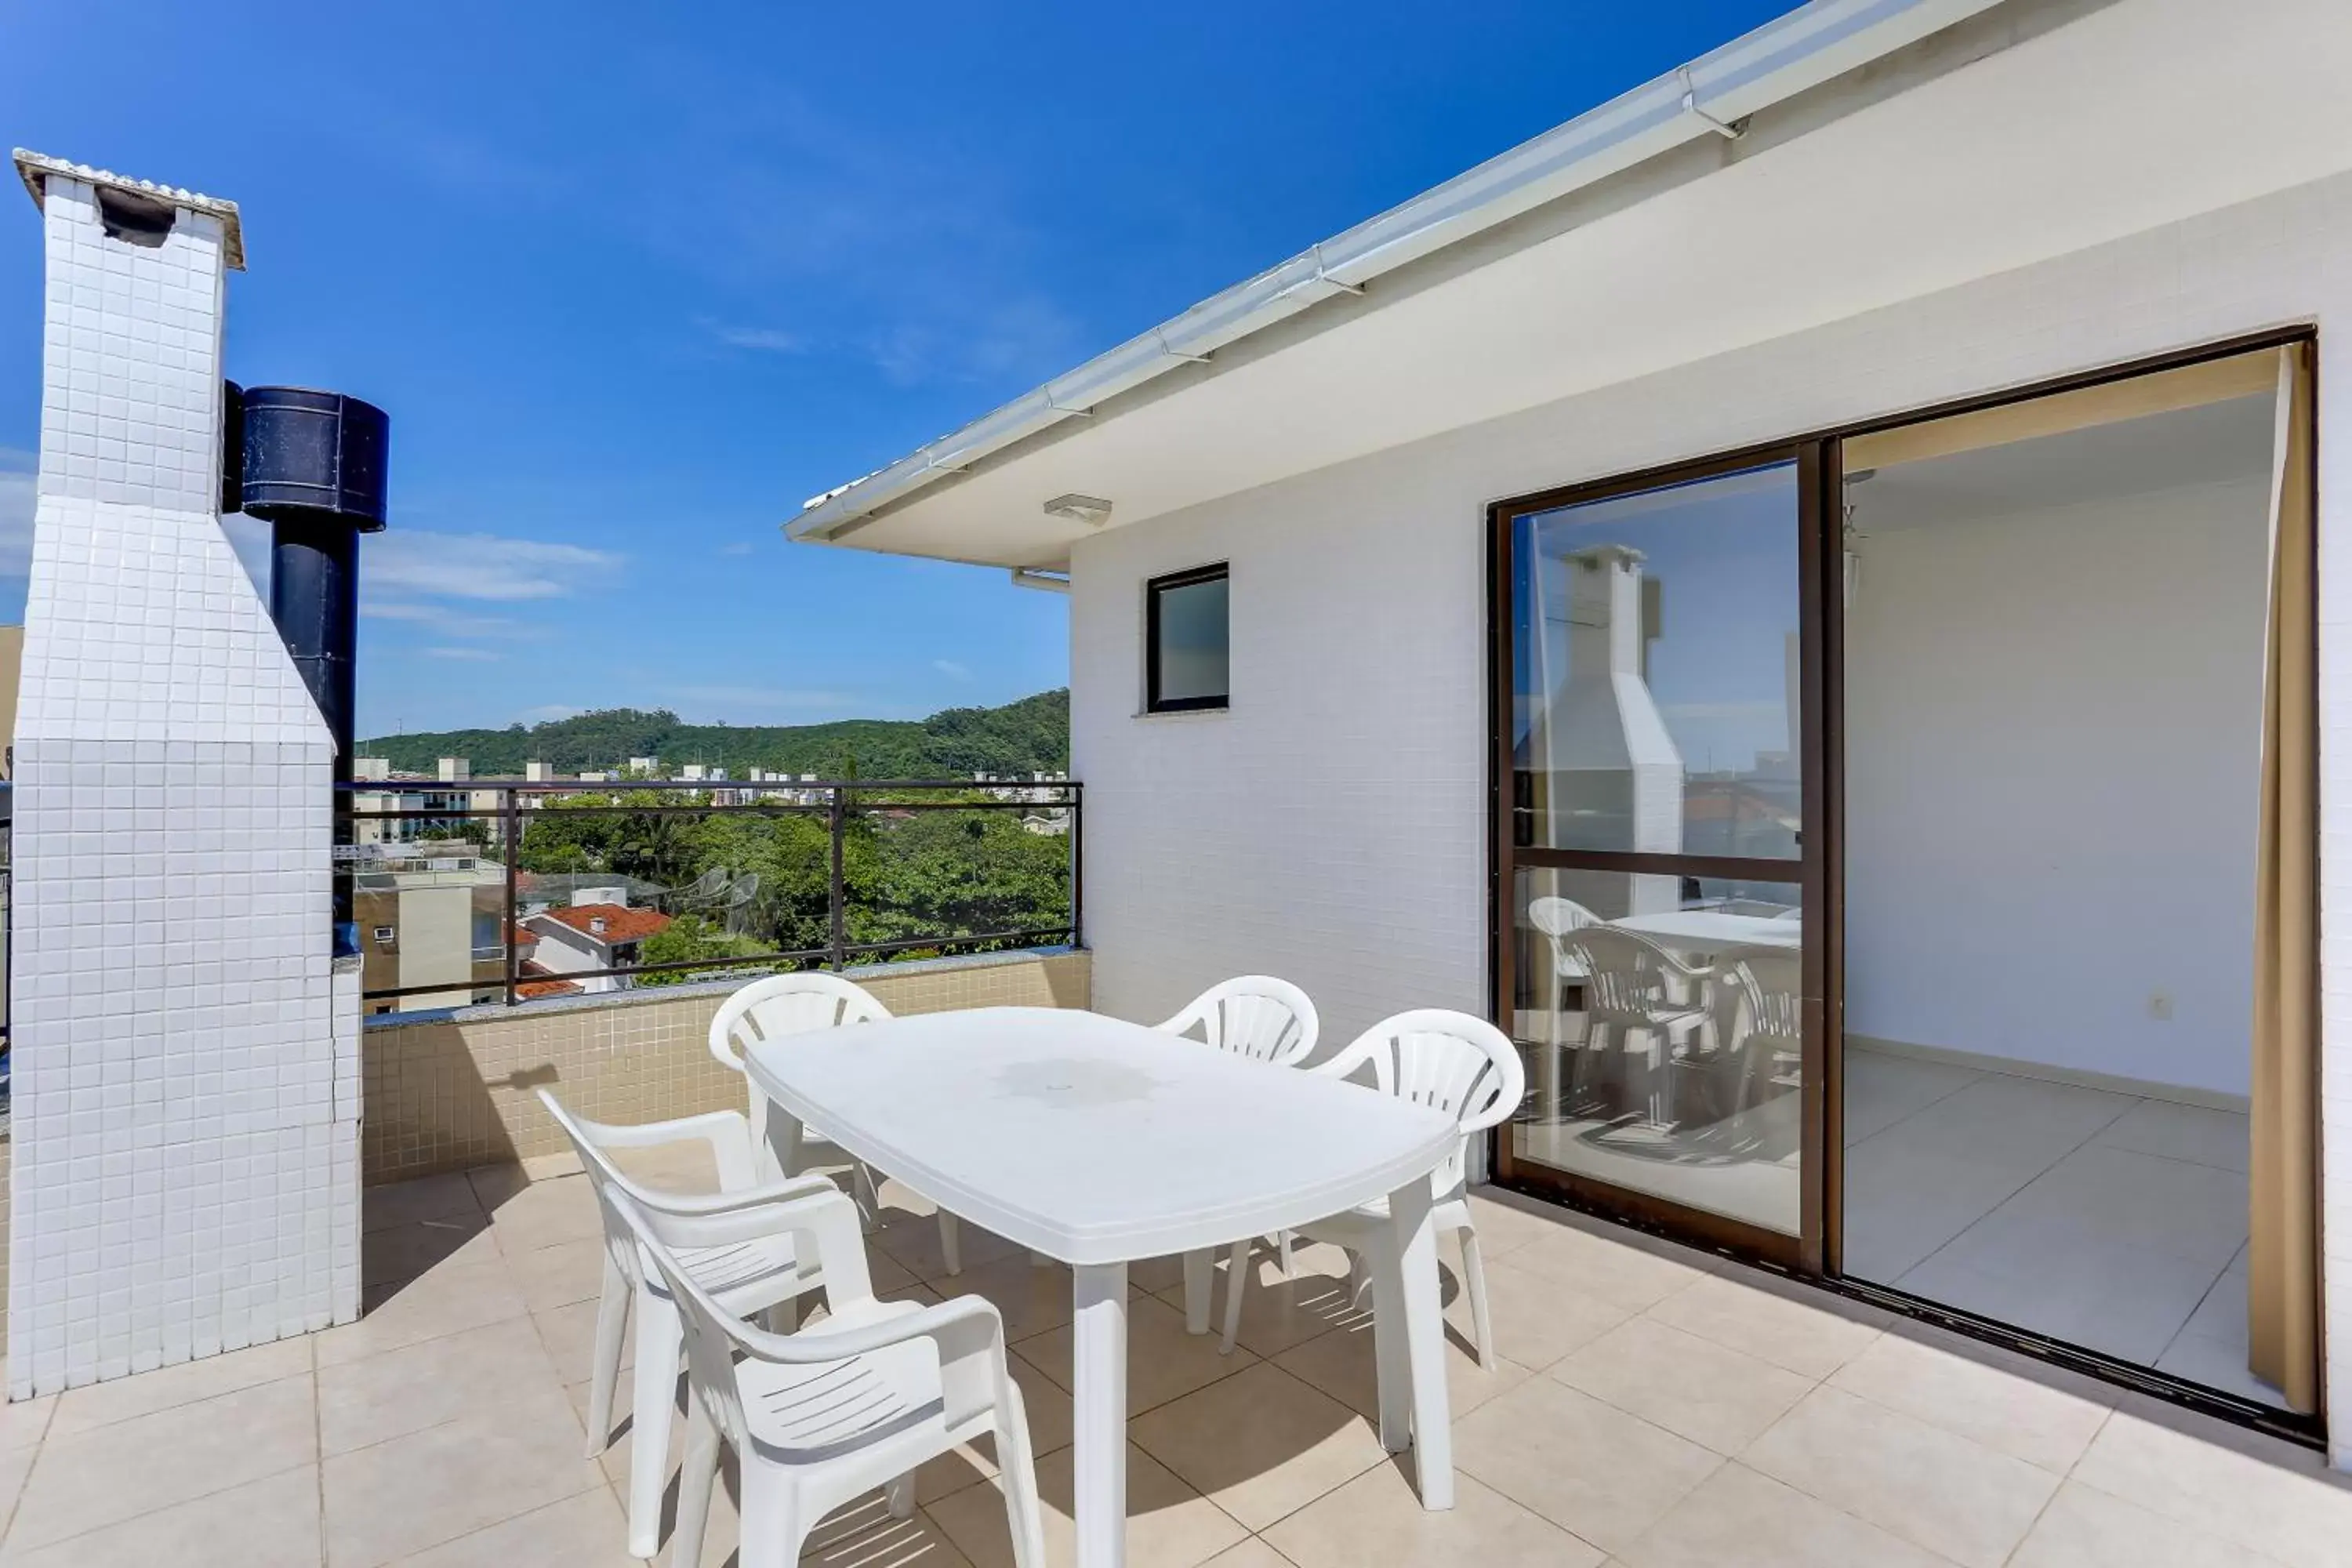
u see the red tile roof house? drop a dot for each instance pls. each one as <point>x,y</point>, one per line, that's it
<point>584,938</point>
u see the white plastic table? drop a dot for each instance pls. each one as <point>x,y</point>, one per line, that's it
<point>1713,930</point>
<point>1099,1142</point>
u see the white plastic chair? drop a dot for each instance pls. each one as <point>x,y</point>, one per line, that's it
<point>798,1004</point>
<point>1453,1062</point>
<point>1637,990</point>
<point>1768,1031</point>
<point>1267,1020</point>
<point>745,1277</point>
<point>819,1417</point>
<point>1558,918</point>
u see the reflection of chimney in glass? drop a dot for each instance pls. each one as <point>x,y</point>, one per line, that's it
<point>1607,774</point>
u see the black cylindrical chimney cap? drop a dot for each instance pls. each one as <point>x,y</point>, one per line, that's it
<point>307,452</point>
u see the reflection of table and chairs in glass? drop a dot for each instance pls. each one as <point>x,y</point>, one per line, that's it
<point>1666,1049</point>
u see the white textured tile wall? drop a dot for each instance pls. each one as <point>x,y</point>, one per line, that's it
<point>1331,828</point>
<point>185,1081</point>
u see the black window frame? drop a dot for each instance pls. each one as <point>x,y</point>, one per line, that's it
<point>1220,572</point>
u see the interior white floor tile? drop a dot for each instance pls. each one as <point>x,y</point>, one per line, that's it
<point>1882,1088</point>
<point>2207,1137</point>
<point>2008,1120</point>
<point>1903,1203</point>
<point>2128,1301</point>
<point>2116,1196</point>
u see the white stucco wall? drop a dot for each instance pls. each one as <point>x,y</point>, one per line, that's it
<point>2052,743</point>
<point>1330,828</point>
<point>186,1092</point>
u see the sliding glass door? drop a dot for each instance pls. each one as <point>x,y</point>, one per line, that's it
<point>1652,735</point>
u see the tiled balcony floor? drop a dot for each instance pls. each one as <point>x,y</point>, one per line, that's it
<point>1656,1409</point>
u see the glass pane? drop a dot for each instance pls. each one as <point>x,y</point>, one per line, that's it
<point>1192,642</point>
<point>1661,1017</point>
<point>1655,670</point>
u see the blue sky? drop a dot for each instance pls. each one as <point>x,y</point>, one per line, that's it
<point>634,282</point>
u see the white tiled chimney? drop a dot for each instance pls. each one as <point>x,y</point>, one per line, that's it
<point>186,1104</point>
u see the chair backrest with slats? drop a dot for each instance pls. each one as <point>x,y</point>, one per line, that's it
<point>1253,1016</point>
<point>1448,1061</point>
<point>1771,987</point>
<point>788,1005</point>
<point>1629,978</point>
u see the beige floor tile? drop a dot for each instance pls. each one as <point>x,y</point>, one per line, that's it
<point>1168,1525</point>
<point>2020,1409</point>
<point>1794,1326</point>
<point>912,1240</point>
<point>1693,1387</point>
<point>1932,1489</point>
<point>398,1253</point>
<point>481,1371</point>
<point>1587,1467</point>
<point>589,1531</point>
<point>1252,1552</point>
<point>864,1535</point>
<point>1048,1409</point>
<point>1031,1299</point>
<point>558,1275</point>
<point>546,1213</point>
<point>24,1421</point>
<point>451,1297</point>
<point>126,1399</point>
<point>1340,1363</point>
<point>478,1470</point>
<point>1260,1444</point>
<point>1278,1313</point>
<point>685,1166</point>
<point>1610,1263</point>
<point>1507,1221</point>
<point>2086,1528</point>
<point>15,1468</point>
<point>1737,1516</point>
<point>449,1196</point>
<point>270,1523</point>
<point>569,1335</point>
<point>149,1462</point>
<point>494,1185</point>
<point>2257,1493</point>
<point>1537,1317</point>
<point>1163,1361</point>
<point>1377,1521</point>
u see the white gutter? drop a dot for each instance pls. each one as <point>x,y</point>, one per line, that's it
<point>1711,96</point>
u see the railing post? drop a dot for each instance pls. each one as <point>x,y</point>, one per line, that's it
<point>1078,865</point>
<point>838,902</point>
<point>511,830</point>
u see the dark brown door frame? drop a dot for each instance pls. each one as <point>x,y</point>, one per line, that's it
<point>1804,1251</point>
<point>1815,1255</point>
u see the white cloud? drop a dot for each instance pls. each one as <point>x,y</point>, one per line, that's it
<point>951,669</point>
<point>476,655</point>
<point>480,565</point>
<point>442,620</point>
<point>761,340</point>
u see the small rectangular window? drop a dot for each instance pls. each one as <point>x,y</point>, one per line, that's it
<point>1185,641</point>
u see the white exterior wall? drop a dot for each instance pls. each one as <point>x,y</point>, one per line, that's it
<point>1331,828</point>
<point>185,1150</point>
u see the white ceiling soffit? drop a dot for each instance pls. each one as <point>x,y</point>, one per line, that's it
<point>2135,114</point>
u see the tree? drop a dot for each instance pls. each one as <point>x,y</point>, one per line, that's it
<point>689,939</point>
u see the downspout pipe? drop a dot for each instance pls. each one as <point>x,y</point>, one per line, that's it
<point>1713,95</point>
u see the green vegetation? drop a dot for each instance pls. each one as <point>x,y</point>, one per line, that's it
<point>1032,735</point>
<point>907,875</point>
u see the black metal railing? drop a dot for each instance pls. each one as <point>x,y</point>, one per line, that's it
<point>468,891</point>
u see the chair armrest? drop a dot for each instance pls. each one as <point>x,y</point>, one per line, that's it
<point>716,1205</point>
<point>727,1132</point>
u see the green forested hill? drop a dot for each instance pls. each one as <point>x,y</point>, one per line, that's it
<point>1028,736</point>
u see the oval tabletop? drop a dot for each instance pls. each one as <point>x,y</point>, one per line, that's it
<point>1095,1141</point>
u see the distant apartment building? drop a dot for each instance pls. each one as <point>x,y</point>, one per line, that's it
<point>429,915</point>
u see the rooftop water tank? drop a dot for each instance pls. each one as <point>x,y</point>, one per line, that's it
<point>314,452</point>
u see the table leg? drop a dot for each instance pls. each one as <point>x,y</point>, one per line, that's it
<point>1391,1345</point>
<point>1098,1358</point>
<point>1414,1246</point>
<point>1199,1276</point>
